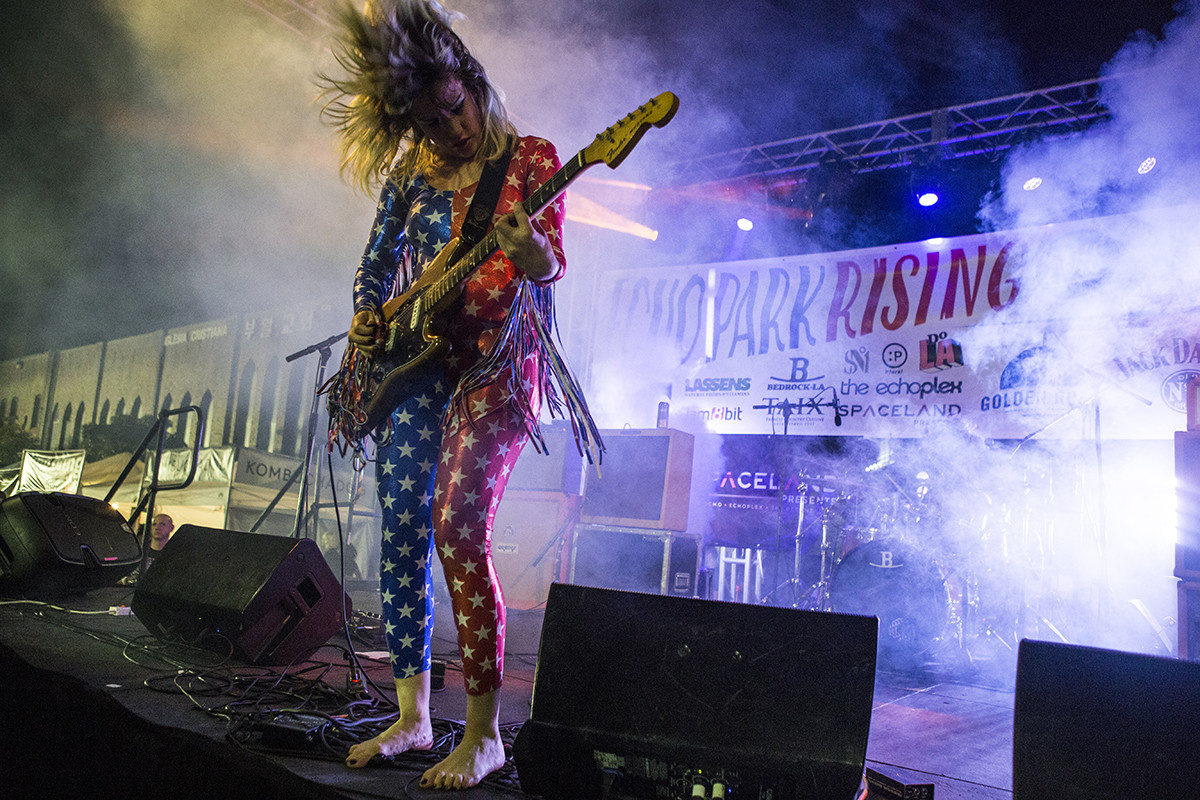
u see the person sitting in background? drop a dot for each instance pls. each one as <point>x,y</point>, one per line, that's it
<point>160,534</point>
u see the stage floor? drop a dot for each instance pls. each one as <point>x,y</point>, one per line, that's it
<point>926,726</point>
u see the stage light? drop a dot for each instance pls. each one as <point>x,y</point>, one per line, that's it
<point>1147,165</point>
<point>745,224</point>
<point>1032,184</point>
<point>926,187</point>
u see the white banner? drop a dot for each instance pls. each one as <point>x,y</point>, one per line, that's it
<point>893,341</point>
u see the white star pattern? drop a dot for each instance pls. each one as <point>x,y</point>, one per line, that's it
<point>464,484</point>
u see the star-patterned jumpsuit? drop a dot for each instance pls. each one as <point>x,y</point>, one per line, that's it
<point>439,474</point>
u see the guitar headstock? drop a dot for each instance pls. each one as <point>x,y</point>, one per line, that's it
<point>615,142</point>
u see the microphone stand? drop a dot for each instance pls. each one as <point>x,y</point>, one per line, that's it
<point>800,599</point>
<point>302,517</point>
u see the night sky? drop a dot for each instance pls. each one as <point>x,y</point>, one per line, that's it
<point>163,161</point>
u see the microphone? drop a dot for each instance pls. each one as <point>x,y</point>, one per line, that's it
<point>837,412</point>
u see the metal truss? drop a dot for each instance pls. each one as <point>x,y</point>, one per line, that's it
<point>985,127</point>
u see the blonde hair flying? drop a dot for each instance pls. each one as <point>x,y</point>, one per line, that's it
<point>391,53</point>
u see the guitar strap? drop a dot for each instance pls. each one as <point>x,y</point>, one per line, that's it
<point>483,204</point>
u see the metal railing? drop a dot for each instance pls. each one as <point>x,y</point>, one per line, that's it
<point>150,492</point>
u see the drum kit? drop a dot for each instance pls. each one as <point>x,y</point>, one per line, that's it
<point>889,554</point>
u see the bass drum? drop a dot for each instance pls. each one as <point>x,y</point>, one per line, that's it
<point>904,588</point>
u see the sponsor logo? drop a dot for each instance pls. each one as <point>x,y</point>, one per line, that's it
<point>921,412</point>
<point>850,388</point>
<point>266,473</point>
<point>1031,398</point>
<point>800,374</point>
<point>795,388</point>
<point>939,352</point>
<point>857,361</point>
<point>895,356</point>
<point>762,481</point>
<point>716,385</point>
<point>1027,369</point>
<point>719,414</point>
<point>1180,351</point>
<point>1174,388</point>
<point>919,388</point>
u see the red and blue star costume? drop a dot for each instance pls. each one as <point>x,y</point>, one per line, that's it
<point>444,458</point>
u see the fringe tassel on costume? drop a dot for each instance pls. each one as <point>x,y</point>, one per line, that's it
<point>347,391</point>
<point>526,331</point>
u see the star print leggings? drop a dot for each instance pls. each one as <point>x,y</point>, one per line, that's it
<point>448,485</point>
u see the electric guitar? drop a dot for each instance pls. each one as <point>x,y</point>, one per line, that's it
<point>409,341</point>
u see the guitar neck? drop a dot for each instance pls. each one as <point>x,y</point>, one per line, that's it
<point>545,194</point>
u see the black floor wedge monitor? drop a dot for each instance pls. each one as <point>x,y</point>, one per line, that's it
<point>1104,725</point>
<point>645,696</point>
<point>261,599</point>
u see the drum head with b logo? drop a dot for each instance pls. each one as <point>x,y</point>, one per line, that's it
<point>897,583</point>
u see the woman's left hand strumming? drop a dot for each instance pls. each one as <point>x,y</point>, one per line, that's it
<point>526,246</point>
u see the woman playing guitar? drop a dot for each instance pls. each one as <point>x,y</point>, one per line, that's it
<point>417,114</point>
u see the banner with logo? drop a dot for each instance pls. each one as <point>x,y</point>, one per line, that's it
<point>895,341</point>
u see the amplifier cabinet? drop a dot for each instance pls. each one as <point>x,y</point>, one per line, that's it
<point>530,536</point>
<point>559,469</point>
<point>635,559</point>
<point>644,480</point>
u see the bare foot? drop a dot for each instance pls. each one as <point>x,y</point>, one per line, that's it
<point>473,760</point>
<point>400,738</point>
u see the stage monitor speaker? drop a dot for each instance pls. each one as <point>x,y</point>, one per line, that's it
<point>269,599</point>
<point>635,559</point>
<point>53,544</point>
<point>645,480</point>
<point>1104,725</point>
<point>530,535</point>
<point>643,696</point>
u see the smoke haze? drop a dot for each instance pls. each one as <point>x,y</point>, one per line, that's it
<point>163,163</point>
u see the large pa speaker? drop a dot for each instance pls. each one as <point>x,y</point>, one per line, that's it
<point>53,544</point>
<point>262,599</point>
<point>645,696</point>
<point>1104,725</point>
